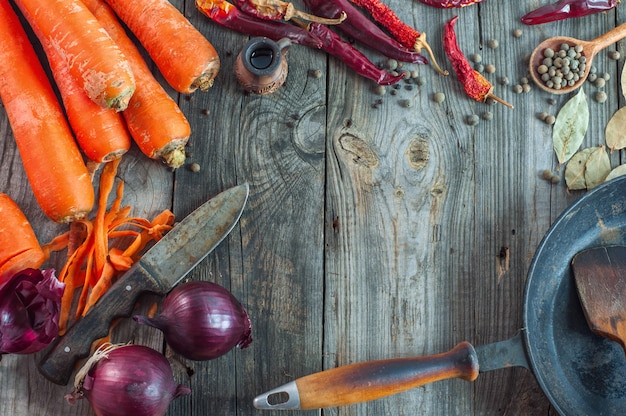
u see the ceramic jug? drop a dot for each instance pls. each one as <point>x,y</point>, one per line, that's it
<point>261,66</point>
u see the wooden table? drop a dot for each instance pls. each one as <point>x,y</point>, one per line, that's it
<point>371,231</point>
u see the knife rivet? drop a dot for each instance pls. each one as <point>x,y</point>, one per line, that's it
<point>129,288</point>
<point>67,349</point>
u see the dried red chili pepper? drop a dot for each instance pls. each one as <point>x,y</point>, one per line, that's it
<point>332,44</point>
<point>281,10</point>
<point>314,35</point>
<point>444,4</point>
<point>475,85</point>
<point>363,30</point>
<point>565,9</point>
<point>403,33</point>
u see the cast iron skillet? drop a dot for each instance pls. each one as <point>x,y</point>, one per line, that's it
<point>580,372</point>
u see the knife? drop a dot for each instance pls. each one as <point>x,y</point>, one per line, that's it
<point>159,270</point>
<point>361,382</point>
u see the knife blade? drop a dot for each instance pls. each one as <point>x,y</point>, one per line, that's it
<point>371,380</point>
<point>159,270</point>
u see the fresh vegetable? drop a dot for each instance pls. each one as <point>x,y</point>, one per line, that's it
<point>19,248</point>
<point>187,60</point>
<point>100,132</point>
<point>227,15</point>
<point>475,85</point>
<point>201,321</point>
<point>407,36</point>
<point>54,166</point>
<point>565,9</point>
<point>93,263</point>
<point>156,123</point>
<point>29,307</point>
<point>363,30</point>
<point>127,380</point>
<point>92,57</point>
<point>444,4</point>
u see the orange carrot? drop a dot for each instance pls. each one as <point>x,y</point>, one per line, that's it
<point>53,164</point>
<point>154,120</point>
<point>91,55</point>
<point>100,132</point>
<point>186,59</point>
<point>19,248</point>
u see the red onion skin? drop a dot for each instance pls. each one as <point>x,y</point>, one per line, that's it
<point>201,321</point>
<point>133,381</point>
<point>30,304</point>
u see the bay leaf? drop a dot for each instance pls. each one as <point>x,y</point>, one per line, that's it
<point>618,171</point>
<point>575,170</point>
<point>597,167</point>
<point>615,131</point>
<point>570,127</point>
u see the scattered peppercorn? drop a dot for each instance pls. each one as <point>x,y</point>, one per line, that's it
<point>606,76</point>
<point>315,73</point>
<point>420,81</point>
<point>614,55</point>
<point>479,67</point>
<point>472,119</point>
<point>490,68</point>
<point>550,119</point>
<point>194,167</point>
<point>555,179</point>
<point>600,83</point>
<point>205,111</point>
<point>600,96</point>
<point>380,90</point>
<point>439,97</point>
<point>547,174</point>
<point>493,43</point>
<point>543,115</point>
<point>551,101</point>
<point>517,33</point>
<point>526,88</point>
<point>592,78</point>
<point>487,115</point>
<point>503,80</point>
<point>405,103</point>
<point>518,89</point>
<point>476,58</point>
<point>392,64</point>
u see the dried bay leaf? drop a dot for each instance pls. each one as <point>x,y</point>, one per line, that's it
<point>616,130</point>
<point>575,170</point>
<point>618,171</point>
<point>570,127</point>
<point>597,168</point>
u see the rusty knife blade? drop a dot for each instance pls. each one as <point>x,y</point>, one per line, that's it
<point>158,271</point>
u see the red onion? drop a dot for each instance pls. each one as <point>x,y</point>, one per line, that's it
<point>30,303</point>
<point>201,321</point>
<point>127,380</point>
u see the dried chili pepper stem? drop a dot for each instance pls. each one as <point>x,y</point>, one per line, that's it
<point>402,32</point>
<point>475,85</point>
<point>277,9</point>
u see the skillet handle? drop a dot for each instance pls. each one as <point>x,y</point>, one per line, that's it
<point>361,382</point>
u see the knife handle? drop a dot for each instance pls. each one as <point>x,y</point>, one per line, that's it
<point>361,382</point>
<point>118,301</point>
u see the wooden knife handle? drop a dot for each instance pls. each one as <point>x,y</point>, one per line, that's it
<point>58,363</point>
<point>361,382</point>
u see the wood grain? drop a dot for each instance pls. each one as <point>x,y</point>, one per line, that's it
<point>376,224</point>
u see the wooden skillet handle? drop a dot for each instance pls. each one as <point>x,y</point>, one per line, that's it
<point>361,382</point>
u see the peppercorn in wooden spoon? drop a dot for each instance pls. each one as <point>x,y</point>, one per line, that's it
<point>561,64</point>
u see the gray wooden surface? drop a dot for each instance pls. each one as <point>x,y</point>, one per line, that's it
<point>371,231</point>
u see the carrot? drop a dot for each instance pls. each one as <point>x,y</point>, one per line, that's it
<point>91,55</point>
<point>96,261</point>
<point>100,132</point>
<point>19,248</point>
<point>186,59</point>
<point>54,166</point>
<point>156,123</point>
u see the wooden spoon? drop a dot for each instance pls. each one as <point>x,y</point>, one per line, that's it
<point>600,275</point>
<point>590,49</point>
